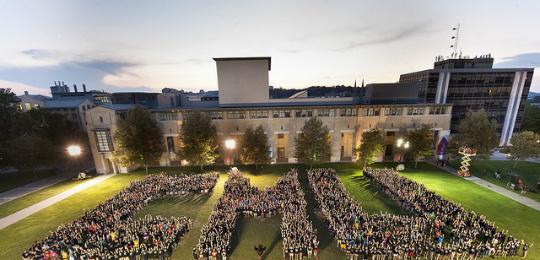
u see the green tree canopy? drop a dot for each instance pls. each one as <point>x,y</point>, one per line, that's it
<point>32,151</point>
<point>199,139</point>
<point>54,130</point>
<point>478,132</point>
<point>313,145</point>
<point>254,149</point>
<point>420,141</point>
<point>371,147</point>
<point>524,145</point>
<point>531,118</point>
<point>139,137</point>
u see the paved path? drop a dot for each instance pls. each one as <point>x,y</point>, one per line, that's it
<point>6,221</point>
<point>493,187</point>
<point>30,187</point>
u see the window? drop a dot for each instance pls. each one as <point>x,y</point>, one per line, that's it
<point>348,112</point>
<point>27,106</point>
<point>371,111</point>
<point>215,115</point>
<point>281,113</point>
<point>394,111</point>
<point>304,113</point>
<point>326,112</point>
<point>101,119</point>
<point>104,141</point>
<point>259,114</point>
<point>236,115</point>
<point>391,133</point>
<point>437,110</point>
<point>415,111</point>
<point>167,116</point>
<point>170,144</point>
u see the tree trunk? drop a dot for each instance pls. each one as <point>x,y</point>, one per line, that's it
<point>201,167</point>
<point>515,164</point>
<point>146,168</point>
<point>415,163</point>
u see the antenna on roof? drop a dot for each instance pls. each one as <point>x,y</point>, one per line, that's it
<point>455,37</point>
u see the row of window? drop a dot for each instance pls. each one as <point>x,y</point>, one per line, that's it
<point>284,113</point>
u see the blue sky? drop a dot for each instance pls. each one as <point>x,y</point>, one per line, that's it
<point>148,45</point>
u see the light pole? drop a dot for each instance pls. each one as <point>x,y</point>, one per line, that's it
<point>75,151</point>
<point>230,144</point>
<point>402,145</point>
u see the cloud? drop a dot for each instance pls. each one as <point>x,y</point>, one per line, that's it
<point>106,66</point>
<point>388,37</point>
<point>527,60</point>
<point>20,88</point>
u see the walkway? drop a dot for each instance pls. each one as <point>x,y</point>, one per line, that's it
<point>13,218</point>
<point>498,189</point>
<point>21,191</point>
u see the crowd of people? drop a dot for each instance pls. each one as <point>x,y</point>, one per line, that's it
<point>242,199</point>
<point>468,232</point>
<point>379,236</point>
<point>109,231</point>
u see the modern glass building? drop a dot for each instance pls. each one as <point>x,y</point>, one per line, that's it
<point>473,84</point>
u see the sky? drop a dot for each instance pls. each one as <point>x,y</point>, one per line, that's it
<point>148,45</point>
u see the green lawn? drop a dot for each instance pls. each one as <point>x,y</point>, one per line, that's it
<point>520,220</point>
<point>10,181</point>
<point>528,171</point>
<point>19,236</point>
<point>15,205</point>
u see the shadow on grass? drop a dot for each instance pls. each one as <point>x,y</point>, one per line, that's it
<point>275,240</point>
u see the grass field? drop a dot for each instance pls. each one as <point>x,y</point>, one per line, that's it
<point>520,220</point>
<point>528,171</point>
<point>18,237</point>
<point>15,205</point>
<point>10,181</point>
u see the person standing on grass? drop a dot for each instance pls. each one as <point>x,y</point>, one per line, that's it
<point>525,248</point>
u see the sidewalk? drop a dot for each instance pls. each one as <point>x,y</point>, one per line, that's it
<point>13,218</point>
<point>498,189</point>
<point>21,191</point>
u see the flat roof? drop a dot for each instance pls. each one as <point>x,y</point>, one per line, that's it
<point>269,59</point>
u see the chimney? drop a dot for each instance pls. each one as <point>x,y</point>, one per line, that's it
<point>84,88</point>
<point>75,88</point>
<point>26,93</point>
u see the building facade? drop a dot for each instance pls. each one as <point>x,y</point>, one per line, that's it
<point>232,112</point>
<point>473,84</point>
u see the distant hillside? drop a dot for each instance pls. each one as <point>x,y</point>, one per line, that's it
<point>533,94</point>
<point>314,91</point>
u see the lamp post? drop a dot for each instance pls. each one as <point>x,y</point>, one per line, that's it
<point>402,145</point>
<point>230,144</point>
<point>74,151</point>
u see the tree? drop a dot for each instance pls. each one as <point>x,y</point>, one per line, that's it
<point>312,145</point>
<point>199,139</point>
<point>371,147</point>
<point>531,118</point>
<point>255,147</point>
<point>420,141</point>
<point>139,137</point>
<point>478,132</point>
<point>31,152</point>
<point>8,112</point>
<point>524,145</point>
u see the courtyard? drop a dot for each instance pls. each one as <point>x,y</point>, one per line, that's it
<point>519,220</point>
